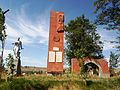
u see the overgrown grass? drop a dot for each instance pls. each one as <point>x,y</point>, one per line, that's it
<point>66,82</point>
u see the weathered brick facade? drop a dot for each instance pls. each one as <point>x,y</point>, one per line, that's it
<point>56,43</point>
<point>101,63</point>
<point>56,50</point>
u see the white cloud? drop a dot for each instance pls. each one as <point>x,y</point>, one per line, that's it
<point>28,61</point>
<point>6,52</point>
<point>106,37</point>
<point>31,31</point>
<point>108,46</point>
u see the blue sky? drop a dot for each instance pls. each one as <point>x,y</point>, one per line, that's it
<point>29,20</point>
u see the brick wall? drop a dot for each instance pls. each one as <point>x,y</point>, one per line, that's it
<point>75,68</point>
<point>101,63</point>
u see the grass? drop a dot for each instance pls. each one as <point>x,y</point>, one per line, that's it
<point>65,82</point>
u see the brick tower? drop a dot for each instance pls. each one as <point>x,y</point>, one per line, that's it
<point>56,43</point>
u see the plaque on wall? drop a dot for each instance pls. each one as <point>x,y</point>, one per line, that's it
<point>58,56</point>
<point>51,56</point>
<point>55,49</point>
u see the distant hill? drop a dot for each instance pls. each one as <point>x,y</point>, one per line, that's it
<point>32,69</point>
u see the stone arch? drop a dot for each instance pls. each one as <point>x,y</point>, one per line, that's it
<point>92,62</point>
<point>100,63</point>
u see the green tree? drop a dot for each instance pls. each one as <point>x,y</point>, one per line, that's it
<point>113,62</point>
<point>82,40</point>
<point>2,33</point>
<point>10,64</point>
<point>2,37</point>
<point>108,14</point>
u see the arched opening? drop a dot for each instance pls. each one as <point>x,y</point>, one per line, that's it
<point>91,69</point>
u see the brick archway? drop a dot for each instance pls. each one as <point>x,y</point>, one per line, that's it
<point>100,63</point>
<point>94,66</point>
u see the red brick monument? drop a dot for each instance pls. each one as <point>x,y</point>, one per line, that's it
<point>56,51</point>
<point>56,43</point>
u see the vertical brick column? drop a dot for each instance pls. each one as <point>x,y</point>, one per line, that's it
<point>56,43</point>
<point>75,68</point>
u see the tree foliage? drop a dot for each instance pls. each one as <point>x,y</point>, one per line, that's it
<point>108,13</point>
<point>10,64</point>
<point>82,39</point>
<point>114,60</point>
<point>2,33</point>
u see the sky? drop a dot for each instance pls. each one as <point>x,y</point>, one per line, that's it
<point>29,20</point>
